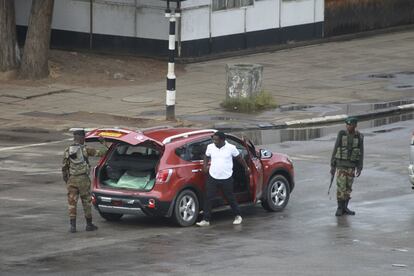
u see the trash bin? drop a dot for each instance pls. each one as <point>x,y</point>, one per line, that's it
<point>243,80</point>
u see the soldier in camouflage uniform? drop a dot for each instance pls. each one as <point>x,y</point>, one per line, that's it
<point>75,172</point>
<point>347,161</point>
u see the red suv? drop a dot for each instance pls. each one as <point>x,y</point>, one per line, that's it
<point>158,172</point>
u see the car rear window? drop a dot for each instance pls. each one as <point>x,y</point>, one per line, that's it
<point>131,167</point>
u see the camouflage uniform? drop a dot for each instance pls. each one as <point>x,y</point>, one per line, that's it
<point>76,171</point>
<point>344,181</point>
<point>347,157</point>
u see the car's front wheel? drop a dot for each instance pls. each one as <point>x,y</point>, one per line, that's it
<point>186,208</point>
<point>111,217</point>
<point>277,194</point>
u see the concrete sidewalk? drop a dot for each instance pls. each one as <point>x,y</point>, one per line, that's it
<point>327,79</point>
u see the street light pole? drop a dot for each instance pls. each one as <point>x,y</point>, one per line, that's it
<point>171,78</point>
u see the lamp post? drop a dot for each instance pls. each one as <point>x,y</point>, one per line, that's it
<point>171,92</point>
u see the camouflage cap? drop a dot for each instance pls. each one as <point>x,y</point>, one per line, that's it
<point>351,121</point>
<point>79,132</point>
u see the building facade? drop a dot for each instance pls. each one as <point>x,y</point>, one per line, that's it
<point>205,26</point>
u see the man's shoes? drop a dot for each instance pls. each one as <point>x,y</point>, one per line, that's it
<point>203,223</point>
<point>90,226</point>
<point>237,220</point>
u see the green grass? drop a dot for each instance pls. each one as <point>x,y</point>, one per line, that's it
<point>261,102</point>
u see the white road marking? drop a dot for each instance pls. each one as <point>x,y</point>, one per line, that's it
<point>44,173</point>
<point>304,157</point>
<point>13,198</point>
<point>305,180</point>
<point>33,145</point>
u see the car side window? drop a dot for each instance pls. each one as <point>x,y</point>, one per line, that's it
<point>194,151</point>
<point>197,150</point>
<point>240,147</point>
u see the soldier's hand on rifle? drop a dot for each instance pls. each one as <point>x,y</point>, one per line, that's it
<point>333,170</point>
<point>358,172</point>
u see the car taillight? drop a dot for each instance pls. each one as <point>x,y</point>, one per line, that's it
<point>163,176</point>
<point>151,203</point>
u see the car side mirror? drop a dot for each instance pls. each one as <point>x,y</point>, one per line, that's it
<point>265,154</point>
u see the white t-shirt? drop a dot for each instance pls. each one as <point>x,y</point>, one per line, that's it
<point>221,160</point>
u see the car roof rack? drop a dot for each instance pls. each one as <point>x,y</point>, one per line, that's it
<point>152,128</point>
<point>186,134</point>
<point>89,129</point>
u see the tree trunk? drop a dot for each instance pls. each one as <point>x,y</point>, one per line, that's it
<point>36,48</point>
<point>8,46</point>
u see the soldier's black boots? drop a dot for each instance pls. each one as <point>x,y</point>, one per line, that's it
<point>341,208</point>
<point>72,228</point>
<point>90,226</point>
<point>346,210</point>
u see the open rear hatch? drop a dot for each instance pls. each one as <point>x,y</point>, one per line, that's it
<point>131,161</point>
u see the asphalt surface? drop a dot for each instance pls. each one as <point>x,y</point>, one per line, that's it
<point>358,75</point>
<point>305,239</point>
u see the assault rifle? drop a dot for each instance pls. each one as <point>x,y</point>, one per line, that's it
<point>330,184</point>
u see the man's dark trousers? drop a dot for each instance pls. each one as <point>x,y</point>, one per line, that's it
<point>226,186</point>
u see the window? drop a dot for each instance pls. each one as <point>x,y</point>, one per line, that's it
<point>219,5</point>
<point>197,150</point>
<point>194,151</point>
<point>240,147</point>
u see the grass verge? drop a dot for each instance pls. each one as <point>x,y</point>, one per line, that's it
<point>260,102</point>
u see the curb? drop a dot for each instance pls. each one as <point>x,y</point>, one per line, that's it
<point>296,44</point>
<point>321,120</point>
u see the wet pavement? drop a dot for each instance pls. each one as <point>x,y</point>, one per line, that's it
<point>347,76</point>
<point>232,120</point>
<point>271,136</point>
<point>305,239</point>
<point>357,76</point>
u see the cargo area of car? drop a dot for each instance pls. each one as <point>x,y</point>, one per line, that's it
<point>130,167</point>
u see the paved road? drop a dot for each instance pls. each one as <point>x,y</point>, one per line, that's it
<point>305,239</point>
<point>330,73</point>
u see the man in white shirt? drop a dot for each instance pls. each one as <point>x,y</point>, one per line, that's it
<point>220,174</point>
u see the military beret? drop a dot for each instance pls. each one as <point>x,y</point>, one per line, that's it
<point>79,132</point>
<point>351,121</point>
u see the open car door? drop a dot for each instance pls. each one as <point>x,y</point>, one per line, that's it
<point>256,169</point>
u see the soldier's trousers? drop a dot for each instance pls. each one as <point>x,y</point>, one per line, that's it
<point>344,181</point>
<point>79,186</point>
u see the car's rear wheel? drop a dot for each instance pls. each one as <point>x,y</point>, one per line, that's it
<point>186,208</point>
<point>111,217</point>
<point>277,194</point>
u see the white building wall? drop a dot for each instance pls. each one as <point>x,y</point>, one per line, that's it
<point>145,18</point>
<point>194,3</point>
<point>152,24</point>
<point>116,17</point>
<point>297,12</point>
<point>263,15</point>
<point>22,11</point>
<point>71,16</point>
<point>195,23</point>
<point>227,22</point>
<point>319,10</point>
